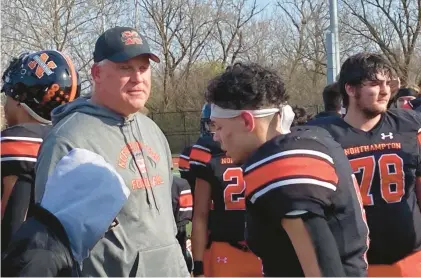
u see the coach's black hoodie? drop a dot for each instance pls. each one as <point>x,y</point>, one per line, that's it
<point>71,218</point>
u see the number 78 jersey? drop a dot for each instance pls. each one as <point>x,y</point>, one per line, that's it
<point>208,162</point>
<point>386,162</point>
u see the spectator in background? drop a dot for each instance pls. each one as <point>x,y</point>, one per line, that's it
<point>332,100</point>
<point>403,97</point>
<point>301,117</point>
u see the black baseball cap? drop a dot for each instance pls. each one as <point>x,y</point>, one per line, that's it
<point>120,44</point>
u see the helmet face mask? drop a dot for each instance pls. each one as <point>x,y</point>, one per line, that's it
<point>206,128</point>
<point>42,81</point>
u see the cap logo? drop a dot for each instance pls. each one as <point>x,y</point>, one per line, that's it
<point>131,37</point>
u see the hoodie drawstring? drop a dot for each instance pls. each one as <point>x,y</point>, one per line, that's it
<point>126,141</point>
<point>149,189</point>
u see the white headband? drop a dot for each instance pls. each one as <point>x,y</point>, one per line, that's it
<point>219,112</point>
<point>285,111</point>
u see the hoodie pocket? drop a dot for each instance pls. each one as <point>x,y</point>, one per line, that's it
<point>167,261</point>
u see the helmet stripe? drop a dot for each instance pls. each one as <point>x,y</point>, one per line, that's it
<point>73,88</point>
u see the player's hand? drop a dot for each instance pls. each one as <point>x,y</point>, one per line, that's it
<point>188,244</point>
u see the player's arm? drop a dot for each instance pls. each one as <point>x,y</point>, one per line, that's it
<point>303,245</point>
<point>18,154</point>
<point>202,201</point>
<point>314,245</point>
<point>293,186</point>
<point>417,119</point>
<point>8,183</point>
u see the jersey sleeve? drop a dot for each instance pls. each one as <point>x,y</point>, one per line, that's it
<point>200,157</point>
<point>290,178</point>
<point>417,121</point>
<point>18,151</point>
<point>182,201</point>
<point>184,163</point>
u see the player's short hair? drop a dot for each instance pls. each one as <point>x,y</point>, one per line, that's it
<point>362,67</point>
<point>246,86</point>
<point>332,97</point>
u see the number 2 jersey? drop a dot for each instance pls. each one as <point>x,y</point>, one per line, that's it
<point>226,218</point>
<point>386,161</point>
<point>303,172</point>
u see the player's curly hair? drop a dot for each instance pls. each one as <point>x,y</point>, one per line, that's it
<point>246,86</point>
<point>362,67</point>
<point>301,116</point>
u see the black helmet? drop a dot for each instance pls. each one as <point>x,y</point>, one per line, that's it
<point>41,81</point>
<point>205,120</point>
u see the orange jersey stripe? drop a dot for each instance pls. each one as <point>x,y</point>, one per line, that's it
<point>186,200</point>
<point>200,155</point>
<point>73,88</point>
<point>19,148</point>
<point>294,167</point>
<point>183,163</point>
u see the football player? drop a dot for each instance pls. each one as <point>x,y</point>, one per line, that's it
<point>218,219</point>
<point>34,84</point>
<point>184,159</point>
<point>182,203</point>
<point>303,215</point>
<point>383,147</point>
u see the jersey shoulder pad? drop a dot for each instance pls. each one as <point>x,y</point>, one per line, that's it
<point>26,131</point>
<point>184,160</point>
<point>302,140</point>
<point>204,149</point>
<point>208,143</point>
<point>19,148</point>
<point>308,132</point>
<point>186,151</point>
<point>299,158</point>
<point>325,121</point>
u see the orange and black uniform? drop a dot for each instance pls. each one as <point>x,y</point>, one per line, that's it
<point>304,174</point>
<point>19,150</point>
<point>386,161</point>
<point>182,204</point>
<point>227,254</point>
<point>184,167</point>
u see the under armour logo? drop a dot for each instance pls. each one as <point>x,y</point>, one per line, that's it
<point>222,260</point>
<point>384,136</point>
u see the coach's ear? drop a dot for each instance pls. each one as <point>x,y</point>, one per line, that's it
<point>248,120</point>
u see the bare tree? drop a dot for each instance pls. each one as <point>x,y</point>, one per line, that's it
<point>69,26</point>
<point>392,25</point>
<point>180,30</point>
<point>230,27</point>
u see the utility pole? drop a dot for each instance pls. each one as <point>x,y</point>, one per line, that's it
<point>332,43</point>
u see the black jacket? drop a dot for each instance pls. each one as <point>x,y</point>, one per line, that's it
<point>325,114</point>
<point>39,248</point>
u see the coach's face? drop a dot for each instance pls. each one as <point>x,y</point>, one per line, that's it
<point>125,86</point>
